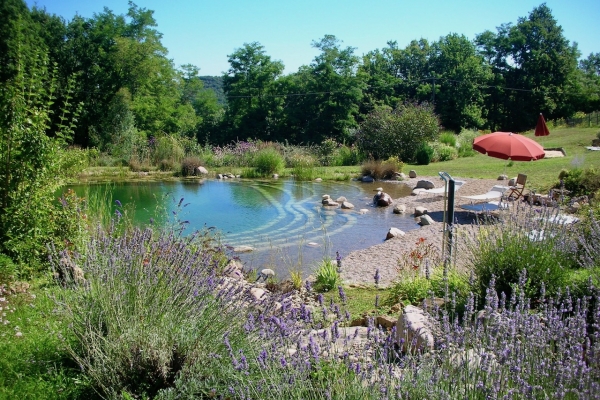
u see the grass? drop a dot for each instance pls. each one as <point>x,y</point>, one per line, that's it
<point>542,174</point>
<point>37,365</point>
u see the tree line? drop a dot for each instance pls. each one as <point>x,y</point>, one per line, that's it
<point>131,92</point>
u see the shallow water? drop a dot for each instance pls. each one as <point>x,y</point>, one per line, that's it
<point>283,221</point>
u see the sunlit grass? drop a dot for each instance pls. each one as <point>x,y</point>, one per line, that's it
<point>542,174</point>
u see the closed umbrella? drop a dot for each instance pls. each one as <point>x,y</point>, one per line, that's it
<point>509,146</point>
<point>541,129</point>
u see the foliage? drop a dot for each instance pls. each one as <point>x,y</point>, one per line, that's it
<point>189,166</point>
<point>382,170</point>
<point>399,132</point>
<point>35,363</point>
<point>424,154</point>
<point>8,269</point>
<point>465,143</point>
<point>448,138</point>
<point>327,276</point>
<point>443,152</point>
<point>149,313</point>
<point>268,161</point>
<point>526,246</point>
<point>580,182</point>
<point>32,164</point>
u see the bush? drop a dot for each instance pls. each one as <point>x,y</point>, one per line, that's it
<point>442,152</point>
<point>448,138</point>
<point>326,276</point>
<point>8,270</point>
<point>465,143</point>
<point>148,311</point>
<point>399,132</point>
<point>268,161</point>
<point>167,148</point>
<point>382,170</point>
<point>189,165</point>
<point>348,156</point>
<point>424,154</point>
<point>545,251</point>
<point>168,165</point>
<point>581,181</point>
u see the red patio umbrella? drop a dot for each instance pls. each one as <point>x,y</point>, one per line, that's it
<point>541,129</point>
<point>509,146</point>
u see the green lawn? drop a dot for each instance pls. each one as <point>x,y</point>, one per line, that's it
<point>542,174</point>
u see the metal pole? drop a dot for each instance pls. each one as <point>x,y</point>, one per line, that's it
<point>451,186</point>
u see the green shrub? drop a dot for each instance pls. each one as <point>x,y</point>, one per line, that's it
<point>189,165</point>
<point>147,313</point>
<point>581,181</point>
<point>167,148</point>
<point>382,170</point>
<point>541,249</point>
<point>268,161</point>
<point>424,154</point>
<point>412,289</point>
<point>8,270</point>
<point>326,276</point>
<point>448,138</point>
<point>348,156</point>
<point>168,165</point>
<point>465,143</point>
<point>443,152</point>
<point>399,132</point>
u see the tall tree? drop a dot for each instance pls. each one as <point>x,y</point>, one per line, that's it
<point>251,97</point>
<point>589,69</point>
<point>461,74</point>
<point>537,65</point>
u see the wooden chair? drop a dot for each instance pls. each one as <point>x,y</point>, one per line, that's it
<point>515,192</point>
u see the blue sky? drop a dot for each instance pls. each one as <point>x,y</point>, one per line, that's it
<point>204,32</point>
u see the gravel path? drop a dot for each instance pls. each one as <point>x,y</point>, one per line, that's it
<point>359,266</point>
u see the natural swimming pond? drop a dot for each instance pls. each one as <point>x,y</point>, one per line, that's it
<point>282,220</point>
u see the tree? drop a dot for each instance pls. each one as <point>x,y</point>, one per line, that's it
<point>398,132</point>
<point>249,84</point>
<point>460,74</point>
<point>589,70</point>
<point>536,66</point>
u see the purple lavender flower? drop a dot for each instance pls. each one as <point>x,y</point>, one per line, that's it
<point>342,294</point>
<point>377,277</point>
<point>118,203</point>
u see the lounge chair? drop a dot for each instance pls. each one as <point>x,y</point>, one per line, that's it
<point>517,191</point>
<point>441,190</point>
<point>495,193</point>
<point>485,202</point>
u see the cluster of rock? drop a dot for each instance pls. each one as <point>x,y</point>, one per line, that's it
<point>227,176</point>
<point>341,201</point>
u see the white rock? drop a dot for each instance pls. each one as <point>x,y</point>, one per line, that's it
<point>425,220</point>
<point>318,180</point>
<point>399,209</point>
<point>420,210</point>
<point>201,171</point>
<point>243,249</point>
<point>257,293</point>
<point>347,206</point>
<point>394,232</point>
<point>341,199</point>
<point>414,330</point>
<point>268,272</point>
<point>363,210</point>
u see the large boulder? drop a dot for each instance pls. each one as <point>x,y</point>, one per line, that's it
<point>415,330</point>
<point>329,203</point>
<point>424,184</point>
<point>425,220</point>
<point>382,199</point>
<point>347,205</point>
<point>420,210</point>
<point>201,171</point>
<point>393,233</point>
<point>399,209</point>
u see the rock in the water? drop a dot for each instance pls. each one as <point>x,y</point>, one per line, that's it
<point>367,178</point>
<point>325,196</point>
<point>414,330</point>
<point>341,199</point>
<point>412,173</point>
<point>347,205</point>
<point>382,199</point>
<point>424,184</point>
<point>420,210</point>
<point>219,176</point>
<point>268,272</point>
<point>318,180</point>
<point>312,244</point>
<point>399,209</point>
<point>363,210</point>
<point>243,249</point>
<point>394,232</point>
<point>275,176</point>
<point>329,203</point>
<point>425,220</point>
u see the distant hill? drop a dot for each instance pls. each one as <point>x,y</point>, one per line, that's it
<point>216,84</point>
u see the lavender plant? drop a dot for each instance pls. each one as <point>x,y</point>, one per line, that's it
<point>150,307</point>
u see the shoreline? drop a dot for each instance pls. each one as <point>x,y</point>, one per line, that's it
<point>359,266</point>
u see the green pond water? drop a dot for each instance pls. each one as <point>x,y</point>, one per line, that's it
<point>283,221</point>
